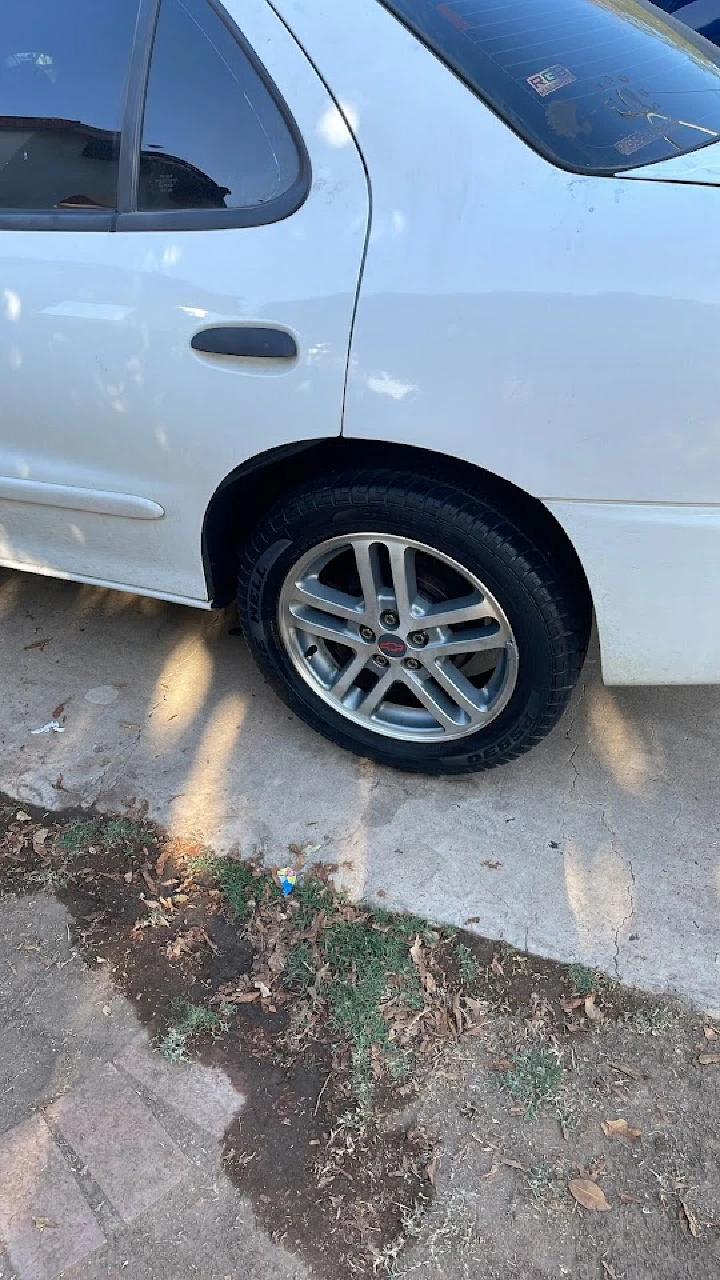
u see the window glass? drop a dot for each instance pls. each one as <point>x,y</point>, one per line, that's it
<point>596,85</point>
<point>63,66</point>
<point>213,136</point>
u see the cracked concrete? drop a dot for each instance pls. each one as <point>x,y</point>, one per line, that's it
<point>601,846</point>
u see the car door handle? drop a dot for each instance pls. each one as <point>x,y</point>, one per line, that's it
<point>255,343</point>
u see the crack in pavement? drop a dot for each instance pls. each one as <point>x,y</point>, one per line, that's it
<point>630,890</point>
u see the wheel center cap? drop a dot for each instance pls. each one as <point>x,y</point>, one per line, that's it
<point>392,646</point>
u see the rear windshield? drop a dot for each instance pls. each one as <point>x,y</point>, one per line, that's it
<point>594,85</point>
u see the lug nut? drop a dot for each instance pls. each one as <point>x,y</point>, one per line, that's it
<point>418,638</point>
<point>389,619</point>
<point>380,660</point>
<point>412,664</point>
<point>368,634</point>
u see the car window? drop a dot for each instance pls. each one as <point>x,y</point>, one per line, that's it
<point>63,66</point>
<point>595,85</point>
<point>213,135</point>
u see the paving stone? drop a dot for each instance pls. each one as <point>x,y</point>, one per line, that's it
<point>205,1095</point>
<point>127,1152</point>
<point>45,1223</point>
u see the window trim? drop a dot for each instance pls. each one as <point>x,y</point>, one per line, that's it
<point>127,217</point>
<point>130,218</point>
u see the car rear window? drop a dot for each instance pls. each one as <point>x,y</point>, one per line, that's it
<point>594,85</point>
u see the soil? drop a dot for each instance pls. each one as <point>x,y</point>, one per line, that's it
<point>465,1168</point>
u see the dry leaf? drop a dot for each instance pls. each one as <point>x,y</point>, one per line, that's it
<point>128,877</point>
<point>145,873</point>
<point>628,1198</point>
<point>457,1013</point>
<point>39,838</point>
<point>22,816</point>
<point>588,1194</point>
<point>710,1033</point>
<point>430,1171</point>
<point>243,997</point>
<point>477,1030</point>
<point>416,952</point>
<point>619,1129</point>
<point>160,864</point>
<point>515,1164</point>
<point>693,1225</point>
<point>42,1223</point>
<point>262,988</point>
<point>708,1059</point>
<point>496,967</point>
<point>491,866</point>
<point>592,1013</point>
<point>500,1064</point>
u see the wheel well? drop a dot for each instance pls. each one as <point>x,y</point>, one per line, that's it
<point>243,498</point>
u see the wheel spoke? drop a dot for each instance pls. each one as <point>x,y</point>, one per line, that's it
<point>461,690</point>
<point>324,626</point>
<point>433,699</point>
<point>367,558</point>
<point>402,568</point>
<point>348,675</point>
<point>452,612</point>
<point>316,595</point>
<point>372,700</point>
<point>477,640</point>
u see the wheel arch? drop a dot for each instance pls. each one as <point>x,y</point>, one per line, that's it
<point>246,494</point>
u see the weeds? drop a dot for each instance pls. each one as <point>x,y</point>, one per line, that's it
<point>651,1022</point>
<point>586,981</point>
<point>76,839</point>
<point>189,1020</point>
<point>469,967</point>
<point>535,1079</point>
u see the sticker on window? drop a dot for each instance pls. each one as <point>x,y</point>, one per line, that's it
<point>633,142</point>
<point>551,79</point>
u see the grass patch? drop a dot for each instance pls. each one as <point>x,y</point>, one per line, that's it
<point>469,967</point>
<point>102,833</point>
<point>586,981</point>
<point>189,1020</point>
<point>535,1079</point>
<point>651,1022</point>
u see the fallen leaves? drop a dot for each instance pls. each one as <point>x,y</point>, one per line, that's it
<point>40,835</point>
<point>188,942</point>
<point>592,1013</point>
<point>41,1224</point>
<point>620,1129</point>
<point>588,1194</point>
<point>708,1059</point>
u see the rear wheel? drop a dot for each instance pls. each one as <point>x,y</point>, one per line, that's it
<point>410,621</point>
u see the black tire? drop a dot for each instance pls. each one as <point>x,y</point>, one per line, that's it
<point>547,611</point>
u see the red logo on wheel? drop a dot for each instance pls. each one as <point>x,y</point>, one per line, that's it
<point>391,646</point>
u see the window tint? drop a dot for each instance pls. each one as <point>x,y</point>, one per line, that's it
<point>63,65</point>
<point>596,85</point>
<point>213,136</point>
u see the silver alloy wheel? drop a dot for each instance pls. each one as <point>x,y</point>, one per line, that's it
<point>375,626</point>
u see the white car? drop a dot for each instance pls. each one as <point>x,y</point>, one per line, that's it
<point>398,322</point>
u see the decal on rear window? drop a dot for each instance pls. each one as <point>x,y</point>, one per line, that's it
<point>594,85</point>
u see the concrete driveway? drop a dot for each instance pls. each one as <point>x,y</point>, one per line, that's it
<point>601,846</point>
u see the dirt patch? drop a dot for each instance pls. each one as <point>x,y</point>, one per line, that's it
<point>420,1100</point>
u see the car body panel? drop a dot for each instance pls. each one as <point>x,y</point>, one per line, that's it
<point>102,394</point>
<point>560,331</point>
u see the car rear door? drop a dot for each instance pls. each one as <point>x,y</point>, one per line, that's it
<point>182,221</point>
